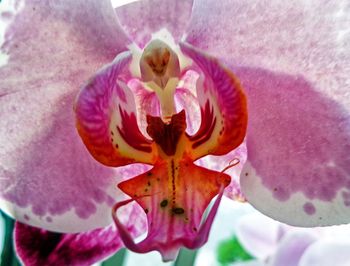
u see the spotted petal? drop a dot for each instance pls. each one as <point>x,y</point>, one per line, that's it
<point>107,119</point>
<point>223,106</point>
<point>174,206</point>
<point>47,178</point>
<point>297,85</point>
<point>298,145</point>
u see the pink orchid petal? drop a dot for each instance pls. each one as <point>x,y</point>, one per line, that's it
<point>297,142</point>
<point>142,18</point>
<point>292,248</point>
<point>299,123</point>
<point>107,119</point>
<point>327,252</point>
<point>47,178</point>
<point>35,246</point>
<point>223,107</point>
<point>277,36</point>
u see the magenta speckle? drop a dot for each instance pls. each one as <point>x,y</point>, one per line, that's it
<point>280,193</point>
<point>26,217</point>
<point>309,208</point>
<point>64,186</point>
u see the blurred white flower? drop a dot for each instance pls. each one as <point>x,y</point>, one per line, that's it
<point>277,244</point>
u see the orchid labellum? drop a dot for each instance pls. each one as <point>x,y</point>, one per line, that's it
<point>176,92</point>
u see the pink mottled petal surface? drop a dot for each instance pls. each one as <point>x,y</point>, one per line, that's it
<point>327,252</point>
<point>297,85</point>
<point>154,15</point>
<point>298,141</point>
<point>36,246</point>
<point>47,178</point>
<point>298,37</point>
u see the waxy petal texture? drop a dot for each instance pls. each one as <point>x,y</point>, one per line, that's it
<point>47,178</point>
<point>298,145</point>
<point>35,246</point>
<point>107,119</point>
<point>142,18</point>
<point>223,107</point>
<point>298,137</point>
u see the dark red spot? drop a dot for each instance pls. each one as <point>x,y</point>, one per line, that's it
<point>164,203</point>
<point>178,210</point>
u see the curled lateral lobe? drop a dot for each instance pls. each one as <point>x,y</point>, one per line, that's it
<point>223,106</point>
<point>173,194</point>
<point>298,142</point>
<point>36,246</point>
<point>107,119</point>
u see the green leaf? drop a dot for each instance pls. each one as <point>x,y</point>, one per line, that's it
<point>8,256</point>
<point>186,257</point>
<point>117,259</point>
<point>231,250</point>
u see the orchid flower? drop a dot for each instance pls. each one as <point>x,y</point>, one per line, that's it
<point>275,74</point>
